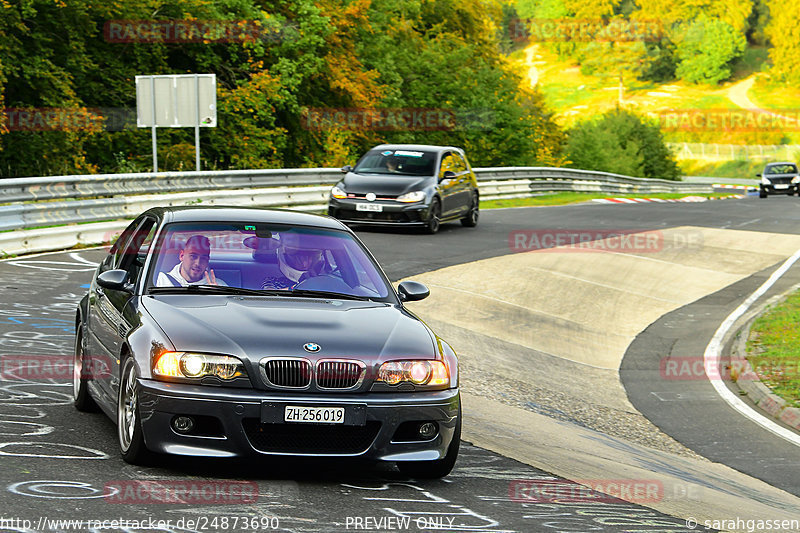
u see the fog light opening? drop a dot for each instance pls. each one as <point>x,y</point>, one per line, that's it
<point>427,430</point>
<point>183,424</point>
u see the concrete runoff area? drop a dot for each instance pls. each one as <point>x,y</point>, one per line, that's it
<point>514,322</point>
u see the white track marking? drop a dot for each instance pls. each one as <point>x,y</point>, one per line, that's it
<point>712,354</point>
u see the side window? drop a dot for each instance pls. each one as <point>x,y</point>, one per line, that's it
<point>459,163</point>
<point>115,255</point>
<point>448,163</point>
<point>136,249</point>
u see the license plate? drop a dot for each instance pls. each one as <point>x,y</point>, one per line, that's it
<point>781,185</point>
<point>313,415</point>
<point>375,208</point>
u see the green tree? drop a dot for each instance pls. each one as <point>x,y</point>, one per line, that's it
<point>784,34</point>
<point>707,49</point>
<point>339,54</point>
<point>621,142</point>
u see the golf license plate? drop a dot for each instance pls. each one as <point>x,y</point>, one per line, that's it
<point>313,415</point>
<point>375,208</point>
<point>781,185</point>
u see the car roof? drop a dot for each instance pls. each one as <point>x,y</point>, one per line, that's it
<point>417,147</point>
<point>244,214</point>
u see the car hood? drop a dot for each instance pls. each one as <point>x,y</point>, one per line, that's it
<point>383,184</point>
<point>253,327</point>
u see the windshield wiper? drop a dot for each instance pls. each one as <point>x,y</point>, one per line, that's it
<point>328,294</point>
<point>219,289</point>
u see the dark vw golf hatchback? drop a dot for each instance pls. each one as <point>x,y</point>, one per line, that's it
<point>237,332</point>
<point>407,184</point>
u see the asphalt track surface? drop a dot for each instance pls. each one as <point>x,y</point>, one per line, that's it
<point>61,464</point>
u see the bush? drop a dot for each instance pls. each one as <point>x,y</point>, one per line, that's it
<point>707,49</point>
<point>623,143</point>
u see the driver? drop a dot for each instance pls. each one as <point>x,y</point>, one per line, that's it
<point>298,259</point>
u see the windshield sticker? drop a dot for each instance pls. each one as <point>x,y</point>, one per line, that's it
<point>387,152</point>
<point>409,154</point>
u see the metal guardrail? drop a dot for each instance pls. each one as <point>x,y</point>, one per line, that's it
<point>43,201</point>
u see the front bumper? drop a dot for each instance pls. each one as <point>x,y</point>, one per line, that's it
<point>393,213</point>
<point>779,188</point>
<point>231,425</point>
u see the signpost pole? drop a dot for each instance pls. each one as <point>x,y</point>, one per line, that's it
<point>155,151</point>
<point>155,143</point>
<point>197,122</point>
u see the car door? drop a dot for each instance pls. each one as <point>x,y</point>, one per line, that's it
<point>109,324</point>
<point>463,186</point>
<point>448,187</point>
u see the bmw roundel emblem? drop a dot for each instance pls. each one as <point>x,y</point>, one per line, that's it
<point>312,347</point>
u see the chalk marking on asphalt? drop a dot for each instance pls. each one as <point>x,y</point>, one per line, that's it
<point>714,348</point>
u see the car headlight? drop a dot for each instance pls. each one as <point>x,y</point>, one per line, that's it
<point>432,373</point>
<point>336,192</point>
<point>197,365</point>
<point>409,197</point>
<point>796,180</point>
<point>765,181</point>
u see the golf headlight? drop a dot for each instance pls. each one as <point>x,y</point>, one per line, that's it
<point>336,192</point>
<point>409,197</point>
<point>796,179</point>
<point>765,181</point>
<point>197,365</point>
<point>417,372</point>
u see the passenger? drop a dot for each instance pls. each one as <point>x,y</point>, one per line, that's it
<point>298,260</point>
<point>193,266</point>
<point>392,165</point>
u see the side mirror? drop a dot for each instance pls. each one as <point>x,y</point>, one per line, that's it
<point>448,175</point>
<point>116,280</point>
<point>346,169</point>
<point>758,175</point>
<point>411,291</point>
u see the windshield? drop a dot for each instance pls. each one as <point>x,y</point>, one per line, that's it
<point>397,163</point>
<point>787,168</point>
<point>260,257</point>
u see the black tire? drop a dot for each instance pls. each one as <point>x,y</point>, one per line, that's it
<point>440,467</point>
<point>434,217</point>
<point>471,220</point>
<point>82,400</point>
<point>129,422</point>
<point>762,193</point>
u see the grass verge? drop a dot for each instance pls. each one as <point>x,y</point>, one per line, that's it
<point>773,349</point>
<point>564,198</point>
<point>739,168</point>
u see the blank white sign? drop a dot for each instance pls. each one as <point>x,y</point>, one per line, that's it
<point>176,101</point>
